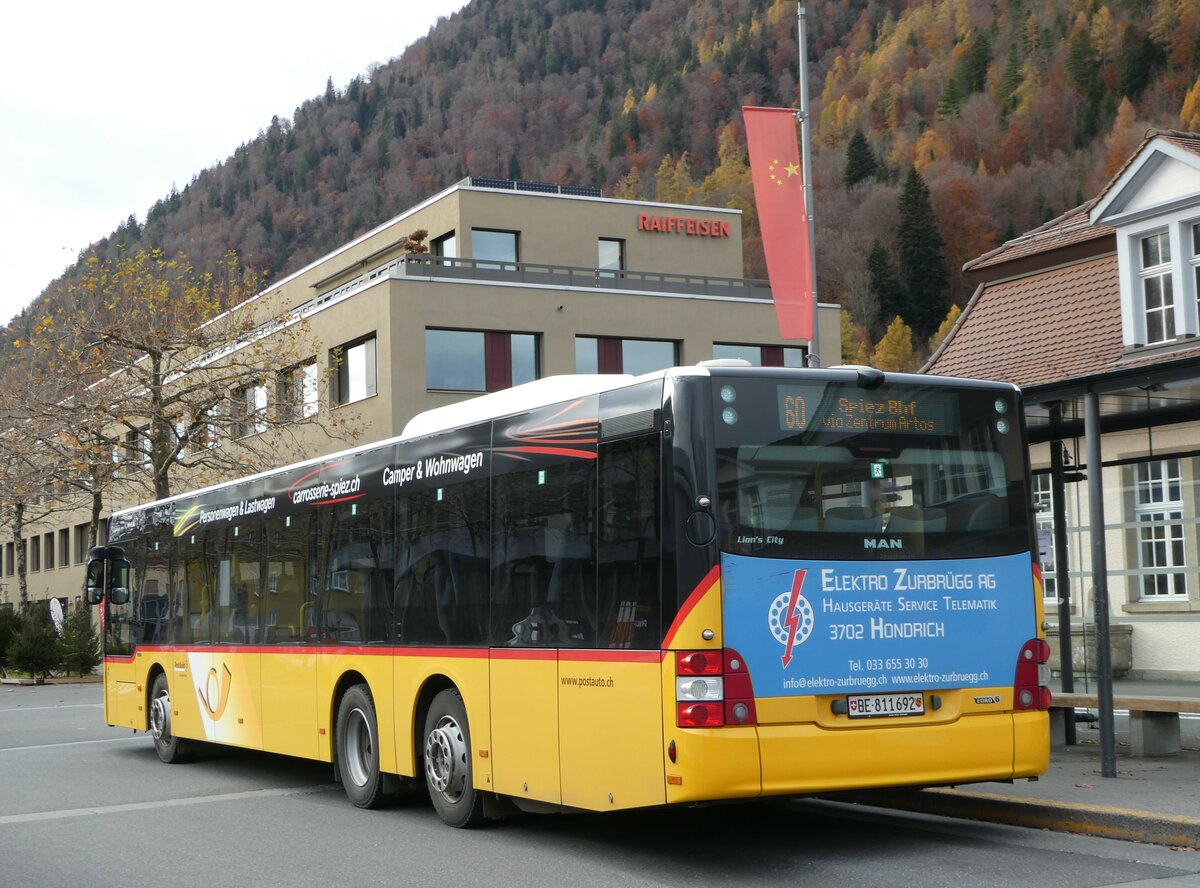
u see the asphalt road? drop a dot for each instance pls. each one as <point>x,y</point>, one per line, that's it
<point>82,804</point>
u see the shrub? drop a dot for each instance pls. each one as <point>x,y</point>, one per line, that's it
<point>80,645</point>
<point>35,647</point>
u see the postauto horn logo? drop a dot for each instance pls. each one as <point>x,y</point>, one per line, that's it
<point>790,617</point>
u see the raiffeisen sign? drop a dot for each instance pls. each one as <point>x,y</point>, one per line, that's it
<point>682,225</point>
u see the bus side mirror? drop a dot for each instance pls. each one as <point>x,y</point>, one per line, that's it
<point>107,575</point>
<point>93,586</point>
<point>118,576</point>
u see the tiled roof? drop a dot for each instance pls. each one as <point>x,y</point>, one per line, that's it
<point>1072,227</point>
<point>1058,323</point>
<point>1047,327</point>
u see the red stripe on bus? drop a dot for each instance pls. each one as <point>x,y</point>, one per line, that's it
<point>111,659</point>
<point>328,649</point>
<point>692,600</point>
<point>1037,571</point>
<point>611,656</point>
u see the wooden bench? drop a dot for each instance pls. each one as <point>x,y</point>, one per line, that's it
<point>1153,721</point>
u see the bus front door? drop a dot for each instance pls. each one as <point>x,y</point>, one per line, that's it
<point>124,706</point>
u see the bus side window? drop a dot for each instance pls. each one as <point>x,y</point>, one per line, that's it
<point>287,541</point>
<point>630,549</point>
<point>543,556</point>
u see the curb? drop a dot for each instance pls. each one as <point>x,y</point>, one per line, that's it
<point>1124,824</point>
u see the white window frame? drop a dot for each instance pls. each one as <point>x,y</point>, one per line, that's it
<point>1183,268</point>
<point>1159,518</point>
<point>1156,274</point>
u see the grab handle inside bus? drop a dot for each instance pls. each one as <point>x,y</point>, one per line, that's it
<point>107,575</point>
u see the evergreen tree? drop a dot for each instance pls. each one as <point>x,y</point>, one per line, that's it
<point>80,646</point>
<point>884,285</point>
<point>861,162</point>
<point>35,647</point>
<point>923,268</point>
<point>1138,62</point>
<point>970,71</point>
<point>9,622</point>
<point>1010,82</point>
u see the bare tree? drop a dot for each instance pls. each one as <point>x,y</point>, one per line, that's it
<point>166,373</point>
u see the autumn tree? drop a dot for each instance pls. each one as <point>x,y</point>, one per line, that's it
<point>169,364</point>
<point>856,342</point>
<point>922,253</point>
<point>944,328</point>
<point>895,351</point>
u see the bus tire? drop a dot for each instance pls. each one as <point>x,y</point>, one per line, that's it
<point>170,748</point>
<point>447,753</point>
<point>357,737</point>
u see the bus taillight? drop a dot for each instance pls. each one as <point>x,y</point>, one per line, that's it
<point>1030,689</point>
<point>713,688</point>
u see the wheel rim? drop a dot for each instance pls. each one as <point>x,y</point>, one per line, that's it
<point>446,759</point>
<point>160,717</point>
<point>358,748</point>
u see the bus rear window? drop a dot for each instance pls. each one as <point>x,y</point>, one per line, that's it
<point>897,471</point>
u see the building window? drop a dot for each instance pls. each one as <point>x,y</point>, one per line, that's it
<point>48,550</point>
<point>607,354</point>
<point>494,247</point>
<point>298,391</point>
<point>35,553</point>
<point>478,361</point>
<point>250,406</point>
<point>9,559</point>
<point>446,245</point>
<point>1158,299</point>
<point>81,543</point>
<point>64,547</point>
<point>1043,511</point>
<point>1196,265</point>
<point>762,355</point>
<point>610,255</point>
<point>1158,514</point>
<point>354,371</point>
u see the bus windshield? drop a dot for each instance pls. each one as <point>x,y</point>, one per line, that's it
<point>916,471</point>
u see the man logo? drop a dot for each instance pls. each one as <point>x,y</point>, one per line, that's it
<point>871,543</point>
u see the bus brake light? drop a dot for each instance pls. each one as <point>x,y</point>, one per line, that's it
<point>1030,689</point>
<point>713,688</point>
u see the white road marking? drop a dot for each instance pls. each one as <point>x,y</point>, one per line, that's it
<point>44,708</point>
<point>73,743</point>
<point>42,816</point>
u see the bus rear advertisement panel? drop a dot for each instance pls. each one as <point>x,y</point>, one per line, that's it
<point>807,626</point>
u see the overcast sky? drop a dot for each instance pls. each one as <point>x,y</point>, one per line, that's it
<point>104,107</point>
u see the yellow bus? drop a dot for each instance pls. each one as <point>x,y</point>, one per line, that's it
<point>606,592</point>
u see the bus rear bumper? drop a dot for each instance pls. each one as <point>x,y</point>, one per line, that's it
<point>805,758</point>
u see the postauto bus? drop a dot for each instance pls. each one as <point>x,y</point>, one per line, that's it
<point>607,592</point>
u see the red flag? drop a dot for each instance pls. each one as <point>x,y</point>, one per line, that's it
<point>779,195</point>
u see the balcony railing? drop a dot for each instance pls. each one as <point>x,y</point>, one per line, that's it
<point>446,267</point>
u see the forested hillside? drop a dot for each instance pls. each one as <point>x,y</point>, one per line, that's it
<point>1011,111</point>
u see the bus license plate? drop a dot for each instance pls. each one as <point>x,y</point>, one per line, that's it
<point>885,705</point>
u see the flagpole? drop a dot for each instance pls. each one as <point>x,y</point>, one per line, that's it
<point>814,353</point>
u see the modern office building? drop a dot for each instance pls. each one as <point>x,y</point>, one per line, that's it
<point>521,281</point>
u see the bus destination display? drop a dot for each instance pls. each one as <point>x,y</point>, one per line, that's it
<point>835,409</point>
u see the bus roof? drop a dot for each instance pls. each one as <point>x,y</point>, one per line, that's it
<point>519,398</point>
<point>541,392</point>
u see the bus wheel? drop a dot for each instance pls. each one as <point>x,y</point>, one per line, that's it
<point>358,748</point>
<point>448,762</point>
<point>170,748</point>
